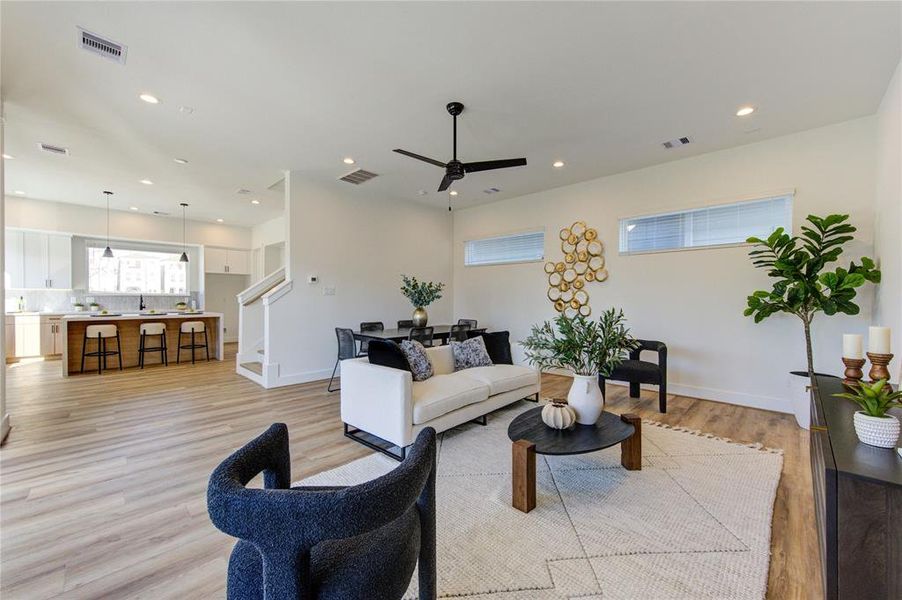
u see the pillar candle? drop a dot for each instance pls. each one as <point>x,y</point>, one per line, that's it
<point>878,340</point>
<point>852,344</point>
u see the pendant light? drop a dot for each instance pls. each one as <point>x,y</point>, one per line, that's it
<point>108,252</point>
<point>184,257</point>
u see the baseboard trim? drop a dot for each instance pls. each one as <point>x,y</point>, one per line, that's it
<point>303,377</point>
<point>780,405</point>
<point>4,428</point>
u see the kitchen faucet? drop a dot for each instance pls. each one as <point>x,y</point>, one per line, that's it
<point>141,305</point>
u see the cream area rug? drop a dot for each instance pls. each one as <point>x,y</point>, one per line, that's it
<point>695,522</point>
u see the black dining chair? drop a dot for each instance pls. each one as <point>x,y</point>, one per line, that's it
<point>470,322</point>
<point>347,348</point>
<point>459,332</point>
<point>424,335</point>
<point>369,326</point>
<point>356,542</point>
<point>637,371</point>
<point>405,324</point>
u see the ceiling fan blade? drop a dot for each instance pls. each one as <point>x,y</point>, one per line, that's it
<point>488,165</point>
<point>431,161</point>
<point>445,184</point>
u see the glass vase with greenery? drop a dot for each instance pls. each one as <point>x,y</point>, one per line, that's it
<point>805,285</point>
<point>579,344</point>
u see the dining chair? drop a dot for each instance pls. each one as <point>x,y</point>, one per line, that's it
<point>405,324</point>
<point>424,335</point>
<point>347,348</point>
<point>470,322</point>
<point>459,332</point>
<point>369,326</point>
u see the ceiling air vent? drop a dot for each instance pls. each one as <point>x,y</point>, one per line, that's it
<point>359,176</point>
<point>53,149</point>
<point>161,213</point>
<point>491,190</point>
<point>102,46</point>
<point>242,192</point>
<point>670,144</point>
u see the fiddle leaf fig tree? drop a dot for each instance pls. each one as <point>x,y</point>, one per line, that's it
<point>805,285</point>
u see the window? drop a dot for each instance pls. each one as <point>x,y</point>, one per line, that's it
<point>133,271</point>
<point>505,249</point>
<point>704,227</point>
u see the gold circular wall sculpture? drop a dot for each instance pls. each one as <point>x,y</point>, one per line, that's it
<point>583,263</point>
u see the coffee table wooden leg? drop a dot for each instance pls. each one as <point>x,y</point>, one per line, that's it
<point>523,476</point>
<point>631,447</point>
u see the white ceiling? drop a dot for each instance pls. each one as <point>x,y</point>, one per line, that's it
<point>299,86</point>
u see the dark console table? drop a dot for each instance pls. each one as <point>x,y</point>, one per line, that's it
<point>858,502</point>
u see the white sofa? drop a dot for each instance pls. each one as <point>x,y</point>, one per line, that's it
<point>388,404</point>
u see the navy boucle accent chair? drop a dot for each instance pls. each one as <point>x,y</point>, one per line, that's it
<point>357,542</point>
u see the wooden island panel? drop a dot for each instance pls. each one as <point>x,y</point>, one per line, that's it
<point>129,335</point>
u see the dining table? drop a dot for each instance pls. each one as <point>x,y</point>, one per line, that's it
<point>439,332</point>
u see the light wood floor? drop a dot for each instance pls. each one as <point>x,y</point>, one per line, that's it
<point>104,478</point>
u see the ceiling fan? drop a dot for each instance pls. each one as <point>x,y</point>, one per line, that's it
<point>454,169</point>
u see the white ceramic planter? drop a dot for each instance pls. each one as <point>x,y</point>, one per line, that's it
<point>800,399</point>
<point>585,399</point>
<point>882,432</point>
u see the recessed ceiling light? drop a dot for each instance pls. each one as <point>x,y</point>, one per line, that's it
<point>348,161</point>
<point>557,164</point>
<point>149,98</point>
<point>19,193</point>
<point>186,110</point>
<point>219,220</point>
<point>744,111</point>
<point>255,202</point>
<point>180,161</point>
<point>8,156</point>
<point>133,208</point>
<point>453,192</point>
<point>146,182</point>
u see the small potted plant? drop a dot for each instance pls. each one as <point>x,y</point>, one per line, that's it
<point>181,305</point>
<point>585,348</point>
<point>872,423</point>
<point>421,294</point>
<point>78,307</point>
<point>94,307</point>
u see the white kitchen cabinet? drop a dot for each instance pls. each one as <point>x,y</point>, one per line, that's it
<point>28,335</point>
<point>10,334</point>
<point>38,260</point>
<point>14,264</point>
<point>223,260</point>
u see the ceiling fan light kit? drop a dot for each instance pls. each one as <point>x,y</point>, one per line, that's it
<point>455,169</point>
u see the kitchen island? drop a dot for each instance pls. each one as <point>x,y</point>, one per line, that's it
<point>73,332</point>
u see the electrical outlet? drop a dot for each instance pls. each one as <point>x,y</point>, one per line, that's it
<point>89,299</point>
<point>72,300</point>
<point>329,290</point>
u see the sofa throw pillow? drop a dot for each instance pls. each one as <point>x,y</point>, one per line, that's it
<point>387,353</point>
<point>469,354</point>
<point>420,365</point>
<point>497,344</point>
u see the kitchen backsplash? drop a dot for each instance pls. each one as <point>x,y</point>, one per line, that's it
<point>61,300</point>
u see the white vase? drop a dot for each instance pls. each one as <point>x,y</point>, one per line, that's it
<point>882,432</point>
<point>585,399</point>
<point>800,398</point>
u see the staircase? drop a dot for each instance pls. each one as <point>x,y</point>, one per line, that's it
<point>253,307</point>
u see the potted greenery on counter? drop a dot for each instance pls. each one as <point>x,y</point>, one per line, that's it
<point>805,285</point>
<point>421,294</point>
<point>585,348</point>
<point>873,424</point>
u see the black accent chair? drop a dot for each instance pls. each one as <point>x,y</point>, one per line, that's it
<point>369,326</point>
<point>470,322</point>
<point>343,543</point>
<point>637,371</point>
<point>459,332</point>
<point>405,324</point>
<point>347,348</point>
<point>424,335</point>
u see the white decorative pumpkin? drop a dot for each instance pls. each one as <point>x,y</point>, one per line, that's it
<point>558,415</point>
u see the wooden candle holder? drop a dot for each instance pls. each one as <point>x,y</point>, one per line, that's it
<point>853,374</point>
<point>879,363</point>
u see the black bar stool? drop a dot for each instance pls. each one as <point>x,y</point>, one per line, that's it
<point>101,333</point>
<point>192,328</point>
<point>153,329</point>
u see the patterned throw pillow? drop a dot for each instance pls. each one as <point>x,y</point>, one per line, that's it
<point>420,366</point>
<point>471,353</point>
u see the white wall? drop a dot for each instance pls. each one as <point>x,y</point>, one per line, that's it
<point>85,220</point>
<point>888,217</point>
<point>692,300</point>
<point>219,296</point>
<point>268,232</point>
<point>359,244</point>
<point>4,416</point>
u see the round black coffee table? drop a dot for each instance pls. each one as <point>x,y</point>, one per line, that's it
<point>531,436</point>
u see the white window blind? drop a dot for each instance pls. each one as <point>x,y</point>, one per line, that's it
<point>505,249</point>
<point>710,226</point>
